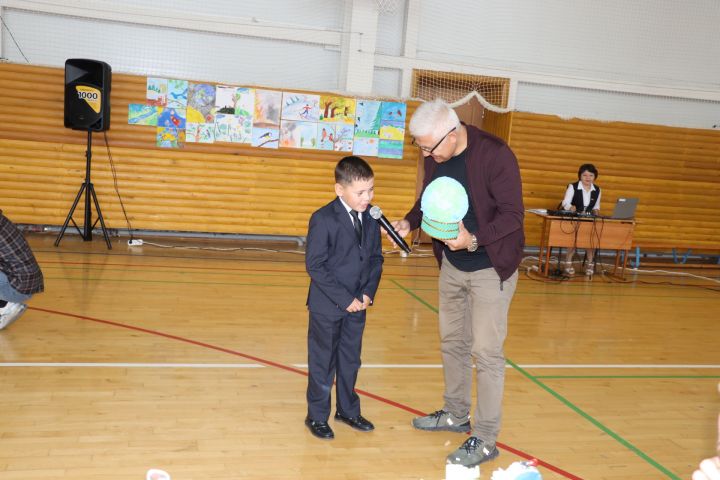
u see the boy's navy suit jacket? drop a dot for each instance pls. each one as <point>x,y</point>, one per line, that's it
<point>340,269</point>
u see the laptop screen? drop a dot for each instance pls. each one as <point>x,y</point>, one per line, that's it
<point>625,208</point>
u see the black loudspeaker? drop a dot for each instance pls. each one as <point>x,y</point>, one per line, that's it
<point>87,94</point>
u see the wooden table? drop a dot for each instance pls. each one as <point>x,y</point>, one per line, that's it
<point>585,232</point>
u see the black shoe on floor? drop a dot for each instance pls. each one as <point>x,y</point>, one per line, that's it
<point>320,429</point>
<point>358,423</point>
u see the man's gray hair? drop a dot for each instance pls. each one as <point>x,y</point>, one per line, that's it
<point>433,118</point>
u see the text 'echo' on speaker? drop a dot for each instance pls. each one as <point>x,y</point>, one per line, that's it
<point>87,94</point>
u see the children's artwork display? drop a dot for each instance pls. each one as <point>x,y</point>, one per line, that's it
<point>367,119</point>
<point>298,134</point>
<point>170,137</point>
<point>300,107</point>
<point>187,112</point>
<point>156,91</point>
<point>366,139</point>
<point>245,102</point>
<point>392,129</point>
<point>177,94</point>
<point>225,99</point>
<point>232,128</point>
<point>366,146</point>
<point>390,149</point>
<point>171,117</point>
<point>326,136</point>
<point>343,137</point>
<point>201,103</point>
<point>265,137</point>
<point>199,132</point>
<point>337,109</point>
<point>392,121</point>
<point>267,108</point>
<point>139,114</point>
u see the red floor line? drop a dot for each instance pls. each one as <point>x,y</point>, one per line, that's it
<point>288,368</point>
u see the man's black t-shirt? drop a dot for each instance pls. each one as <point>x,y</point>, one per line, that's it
<point>462,259</point>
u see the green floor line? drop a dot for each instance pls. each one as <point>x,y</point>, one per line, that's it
<point>566,402</point>
<point>412,294</point>
<point>584,294</point>
<point>595,422</point>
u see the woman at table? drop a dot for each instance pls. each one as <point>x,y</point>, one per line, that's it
<point>582,196</point>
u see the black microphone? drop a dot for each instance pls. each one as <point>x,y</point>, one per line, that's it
<point>377,214</point>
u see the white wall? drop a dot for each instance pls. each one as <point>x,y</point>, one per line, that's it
<point>662,42</point>
<point>216,46</point>
<point>652,61</point>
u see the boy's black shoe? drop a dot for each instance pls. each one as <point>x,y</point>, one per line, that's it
<point>320,429</point>
<point>358,423</point>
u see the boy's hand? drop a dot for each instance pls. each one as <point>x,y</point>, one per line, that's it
<point>355,306</point>
<point>366,302</point>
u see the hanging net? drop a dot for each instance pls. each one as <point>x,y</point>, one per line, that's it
<point>458,88</point>
<point>387,6</point>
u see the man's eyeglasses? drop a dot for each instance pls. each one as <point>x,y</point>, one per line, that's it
<point>431,150</point>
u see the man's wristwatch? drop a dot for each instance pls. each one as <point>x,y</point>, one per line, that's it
<point>473,243</point>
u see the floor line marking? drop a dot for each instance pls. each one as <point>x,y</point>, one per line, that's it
<point>569,404</point>
<point>597,423</point>
<point>130,365</point>
<point>378,366</point>
<point>288,368</point>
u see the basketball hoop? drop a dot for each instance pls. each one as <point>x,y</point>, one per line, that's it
<point>387,6</point>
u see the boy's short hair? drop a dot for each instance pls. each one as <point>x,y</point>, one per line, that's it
<point>352,168</point>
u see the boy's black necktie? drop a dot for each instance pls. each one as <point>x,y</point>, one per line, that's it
<point>357,225</point>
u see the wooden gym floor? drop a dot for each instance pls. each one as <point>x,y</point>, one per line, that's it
<point>193,361</point>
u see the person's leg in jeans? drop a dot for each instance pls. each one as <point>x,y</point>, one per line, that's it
<point>490,302</point>
<point>12,304</point>
<point>455,339</point>
<point>8,293</point>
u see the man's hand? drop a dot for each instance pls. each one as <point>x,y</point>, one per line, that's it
<point>462,241</point>
<point>402,227</point>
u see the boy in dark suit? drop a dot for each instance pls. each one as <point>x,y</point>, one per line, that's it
<point>344,259</point>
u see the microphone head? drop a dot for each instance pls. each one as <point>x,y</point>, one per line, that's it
<point>375,212</point>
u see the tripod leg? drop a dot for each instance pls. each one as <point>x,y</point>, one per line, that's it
<point>100,217</point>
<point>69,215</point>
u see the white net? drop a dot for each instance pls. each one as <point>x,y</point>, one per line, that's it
<point>493,93</point>
<point>645,61</point>
<point>387,6</point>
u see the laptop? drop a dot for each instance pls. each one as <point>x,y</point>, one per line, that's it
<point>625,208</point>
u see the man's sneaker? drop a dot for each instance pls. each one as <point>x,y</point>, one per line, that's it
<point>11,312</point>
<point>442,420</point>
<point>473,452</point>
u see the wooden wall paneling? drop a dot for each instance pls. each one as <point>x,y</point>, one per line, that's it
<point>230,188</point>
<point>674,171</point>
<point>222,187</point>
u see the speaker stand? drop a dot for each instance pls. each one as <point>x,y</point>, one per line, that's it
<point>89,190</point>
